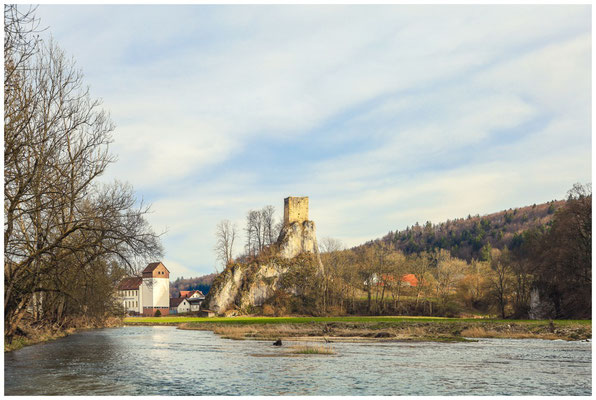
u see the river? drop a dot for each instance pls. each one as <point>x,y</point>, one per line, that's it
<point>152,360</point>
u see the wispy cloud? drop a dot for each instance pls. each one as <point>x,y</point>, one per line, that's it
<point>383,115</point>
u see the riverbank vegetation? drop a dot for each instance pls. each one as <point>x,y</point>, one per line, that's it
<point>68,239</point>
<point>33,332</point>
<point>376,328</point>
<point>312,349</point>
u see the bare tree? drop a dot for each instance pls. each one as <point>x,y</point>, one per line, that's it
<point>253,233</point>
<point>500,279</point>
<point>447,273</point>
<point>226,235</point>
<point>332,262</point>
<point>261,229</point>
<point>329,245</point>
<point>64,235</point>
<point>421,265</point>
<point>268,217</point>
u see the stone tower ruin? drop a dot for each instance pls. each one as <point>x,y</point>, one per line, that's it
<point>298,232</point>
<point>239,287</point>
<point>295,210</point>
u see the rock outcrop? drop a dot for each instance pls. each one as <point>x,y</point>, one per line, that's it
<point>297,238</point>
<point>244,285</point>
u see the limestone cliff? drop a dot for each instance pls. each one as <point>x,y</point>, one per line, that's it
<point>296,238</point>
<point>244,285</point>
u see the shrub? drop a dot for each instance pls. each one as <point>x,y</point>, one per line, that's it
<point>268,310</point>
<point>312,350</point>
<point>158,313</point>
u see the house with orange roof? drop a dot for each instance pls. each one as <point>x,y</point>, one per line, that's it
<point>404,280</point>
<point>191,294</point>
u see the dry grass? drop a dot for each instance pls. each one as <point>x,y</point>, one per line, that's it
<point>309,349</point>
<point>38,333</point>
<point>480,332</point>
<point>405,331</point>
<point>416,331</point>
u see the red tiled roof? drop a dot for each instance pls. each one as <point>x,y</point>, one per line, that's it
<point>130,283</point>
<point>410,278</point>
<point>152,266</point>
<point>188,293</point>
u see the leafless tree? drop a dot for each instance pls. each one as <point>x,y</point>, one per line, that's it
<point>500,279</point>
<point>261,229</point>
<point>224,247</point>
<point>65,236</point>
<point>253,233</point>
<point>268,217</point>
<point>329,245</point>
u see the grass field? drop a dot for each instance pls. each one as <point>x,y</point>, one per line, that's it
<point>170,320</point>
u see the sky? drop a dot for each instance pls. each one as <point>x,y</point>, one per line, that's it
<point>383,116</point>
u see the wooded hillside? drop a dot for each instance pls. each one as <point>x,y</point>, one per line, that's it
<point>466,237</point>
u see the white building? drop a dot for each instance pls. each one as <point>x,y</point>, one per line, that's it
<point>129,295</point>
<point>195,303</point>
<point>148,294</point>
<point>155,290</point>
<point>192,294</point>
<point>179,305</point>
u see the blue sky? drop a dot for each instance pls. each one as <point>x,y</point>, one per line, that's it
<point>382,115</point>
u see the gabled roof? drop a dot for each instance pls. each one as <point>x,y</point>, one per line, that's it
<point>175,301</point>
<point>130,283</point>
<point>188,293</point>
<point>152,266</point>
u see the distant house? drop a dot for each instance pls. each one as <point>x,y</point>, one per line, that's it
<point>409,280</point>
<point>179,305</point>
<point>404,280</point>
<point>195,303</point>
<point>191,294</point>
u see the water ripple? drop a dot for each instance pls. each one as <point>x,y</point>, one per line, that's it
<point>167,361</point>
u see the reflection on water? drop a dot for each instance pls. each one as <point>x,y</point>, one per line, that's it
<point>167,361</point>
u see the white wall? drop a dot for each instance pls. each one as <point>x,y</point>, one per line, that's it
<point>146,293</point>
<point>156,292</point>
<point>183,307</point>
<point>129,298</point>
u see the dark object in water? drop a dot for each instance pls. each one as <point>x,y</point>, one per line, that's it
<point>383,335</point>
<point>277,342</point>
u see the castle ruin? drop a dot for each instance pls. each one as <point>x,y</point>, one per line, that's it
<point>295,210</point>
<point>242,285</point>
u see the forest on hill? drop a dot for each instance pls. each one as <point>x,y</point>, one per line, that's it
<point>465,238</point>
<point>202,283</point>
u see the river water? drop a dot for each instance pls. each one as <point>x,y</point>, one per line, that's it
<point>156,360</point>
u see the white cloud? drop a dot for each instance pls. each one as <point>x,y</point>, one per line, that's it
<point>402,113</point>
